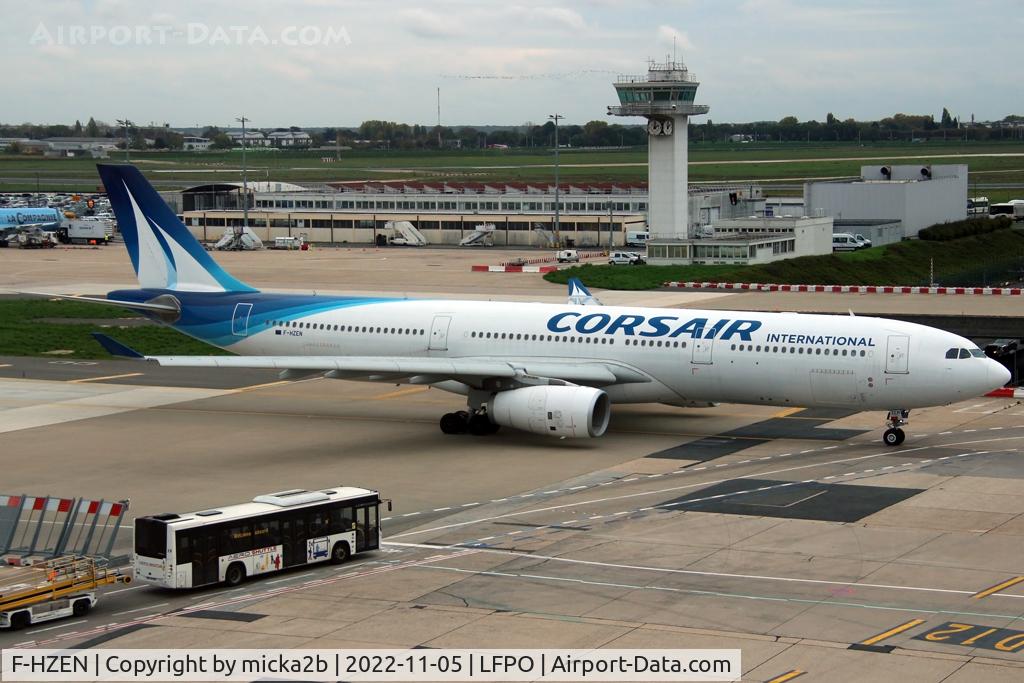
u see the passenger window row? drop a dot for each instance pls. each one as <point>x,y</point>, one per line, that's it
<point>798,350</point>
<point>364,329</point>
<point>510,336</point>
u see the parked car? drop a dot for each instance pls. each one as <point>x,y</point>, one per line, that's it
<point>625,258</point>
<point>865,243</point>
<point>568,256</point>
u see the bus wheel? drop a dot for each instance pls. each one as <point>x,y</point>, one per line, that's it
<point>20,620</point>
<point>235,574</point>
<point>339,553</point>
<point>81,608</point>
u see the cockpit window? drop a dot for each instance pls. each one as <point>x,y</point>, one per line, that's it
<point>964,353</point>
<point>977,353</point>
<point>952,353</point>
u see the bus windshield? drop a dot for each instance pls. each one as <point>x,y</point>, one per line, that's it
<point>150,538</point>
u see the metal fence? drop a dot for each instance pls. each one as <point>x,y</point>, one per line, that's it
<point>43,527</point>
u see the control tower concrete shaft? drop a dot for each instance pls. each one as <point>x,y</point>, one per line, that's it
<point>665,97</point>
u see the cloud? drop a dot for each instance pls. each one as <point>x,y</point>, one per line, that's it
<point>425,24</point>
<point>669,37</point>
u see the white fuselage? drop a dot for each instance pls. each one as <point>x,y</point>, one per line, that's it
<point>689,355</point>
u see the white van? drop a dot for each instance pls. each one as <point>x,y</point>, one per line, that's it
<point>637,238</point>
<point>568,256</point>
<point>844,241</point>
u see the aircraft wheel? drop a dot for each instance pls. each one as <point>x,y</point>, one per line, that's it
<point>893,437</point>
<point>453,423</point>
<point>480,425</point>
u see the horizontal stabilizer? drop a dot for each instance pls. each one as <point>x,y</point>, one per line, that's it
<point>135,305</point>
<point>116,348</point>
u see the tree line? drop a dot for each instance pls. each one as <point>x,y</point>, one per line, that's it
<point>404,136</point>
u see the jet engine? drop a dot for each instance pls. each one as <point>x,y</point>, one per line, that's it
<point>580,412</point>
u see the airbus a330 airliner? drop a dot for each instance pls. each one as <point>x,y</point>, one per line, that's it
<point>542,368</point>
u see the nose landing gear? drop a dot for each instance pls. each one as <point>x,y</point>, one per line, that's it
<point>894,436</point>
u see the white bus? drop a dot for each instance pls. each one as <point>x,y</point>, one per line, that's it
<point>273,532</point>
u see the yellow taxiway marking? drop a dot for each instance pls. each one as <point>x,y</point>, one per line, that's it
<point>262,386</point>
<point>998,587</point>
<point>788,676</point>
<point>906,626</point>
<point>787,412</point>
<point>100,379</point>
<point>405,391</point>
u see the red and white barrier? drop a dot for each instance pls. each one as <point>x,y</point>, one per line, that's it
<point>1006,392</point>
<point>514,269</point>
<point>850,289</point>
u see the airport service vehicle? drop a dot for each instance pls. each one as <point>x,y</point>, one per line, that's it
<point>273,532</point>
<point>58,588</point>
<point>625,258</point>
<point>637,238</point>
<point>85,232</point>
<point>844,241</point>
<point>568,256</point>
<point>863,241</point>
<point>1013,208</point>
<point>553,369</point>
<point>977,205</point>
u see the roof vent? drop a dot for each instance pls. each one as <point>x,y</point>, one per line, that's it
<point>292,497</point>
<point>208,513</point>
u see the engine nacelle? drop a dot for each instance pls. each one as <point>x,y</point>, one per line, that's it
<point>580,412</point>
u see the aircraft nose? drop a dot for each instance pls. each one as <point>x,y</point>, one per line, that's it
<point>998,374</point>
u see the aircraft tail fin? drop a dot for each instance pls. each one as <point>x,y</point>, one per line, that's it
<point>164,253</point>
<point>580,295</point>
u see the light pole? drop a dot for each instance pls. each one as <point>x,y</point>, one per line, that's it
<point>126,123</point>
<point>245,179</point>
<point>558,223</point>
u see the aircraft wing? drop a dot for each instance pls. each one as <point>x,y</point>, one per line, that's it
<point>420,370</point>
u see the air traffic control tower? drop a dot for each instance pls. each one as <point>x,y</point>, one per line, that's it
<point>665,97</point>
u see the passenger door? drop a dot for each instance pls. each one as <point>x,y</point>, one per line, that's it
<point>702,349</point>
<point>240,320</point>
<point>897,357</point>
<point>439,333</point>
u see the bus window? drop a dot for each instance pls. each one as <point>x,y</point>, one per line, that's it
<point>184,548</point>
<point>266,533</point>
<point>151,538</point>
<point>372,534</point>
<point>236,539</point>
<point>340,519</point>
<point>317,523</point>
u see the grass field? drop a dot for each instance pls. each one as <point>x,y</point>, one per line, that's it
<point>989,259</point>
<point>709,163</point>
<point>30,327</point>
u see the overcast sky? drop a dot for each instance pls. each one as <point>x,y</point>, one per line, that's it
<point>342,62</point>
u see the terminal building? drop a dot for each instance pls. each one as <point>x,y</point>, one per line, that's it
<point>592,214</point>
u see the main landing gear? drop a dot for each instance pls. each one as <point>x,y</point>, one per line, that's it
<point>476,423</point>
<point>894,436</point>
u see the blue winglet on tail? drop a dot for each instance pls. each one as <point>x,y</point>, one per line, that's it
<point>164,253</point>
<point>116,348</point>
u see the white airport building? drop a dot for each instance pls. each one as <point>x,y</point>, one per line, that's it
<point>913,196</point>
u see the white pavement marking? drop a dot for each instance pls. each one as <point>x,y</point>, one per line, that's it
<point>123,590</point>
<point>51,628</point>
<point>695,572</point>
<point>140,609</point>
